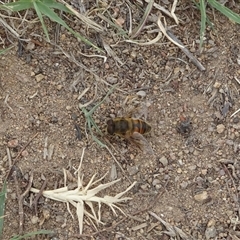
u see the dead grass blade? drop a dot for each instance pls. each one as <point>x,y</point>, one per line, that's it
<point>138,29</point>
<point>172,231</point>
<point>86,20</point>
<point>178,43</point>
<point>82,196</point>
<point>111,53</point>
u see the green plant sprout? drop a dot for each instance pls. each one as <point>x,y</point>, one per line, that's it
<point>46,8</point>
<point>2,206</point>
<point>202,5</point>
<point>89,119</point>
<point>31,234</point>
<point>2,51</point>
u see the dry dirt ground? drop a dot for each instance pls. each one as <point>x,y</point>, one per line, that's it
<point>191,181</point>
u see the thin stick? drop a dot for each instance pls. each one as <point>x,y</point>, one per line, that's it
<point>21,198</point>
<point>235,113</point>
<point>18,155</point>
<point>187,52</point>
<point>178,43</point>
<point>39,194</point>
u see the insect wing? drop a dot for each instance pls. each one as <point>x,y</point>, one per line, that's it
<point>139,140</point>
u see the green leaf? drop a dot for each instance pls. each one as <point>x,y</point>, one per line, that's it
<point>2,206</point>
<point>2,51</point>
<point>56,5</point>
<point>54,17</point>
<point>39,13</point>
<point>225,11</point>
<point>31,234</point>
<point>203,21</point>
<point>17,6</point>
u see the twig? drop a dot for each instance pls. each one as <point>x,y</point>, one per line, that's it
<point>178,43</point>
<point>18,155</point>
<point>39,194</point>
<point>9,157</point>
<point>138,29</point>
<point>235,113</point>
<point>187,52</point>
<point>21,198</point>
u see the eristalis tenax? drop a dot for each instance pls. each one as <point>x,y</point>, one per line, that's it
<point>132,128</point>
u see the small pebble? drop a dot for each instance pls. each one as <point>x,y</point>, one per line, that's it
<point>211,231</point>
<point>39,77</point>
<point>155,182</point>
<point>141,93</point>
<point>201,197</point>
<point>132,170</point>
<point>179,170</point>
<point>34,219</point>
<point>220,128</point>
<point>112,79</point>
<point>217,85</point>
<point>12,143</point>
<point>164,161</point>
<point>24,153</point>
<point>59,87</point>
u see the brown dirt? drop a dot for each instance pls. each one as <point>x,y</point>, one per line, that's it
<point>191,181</point>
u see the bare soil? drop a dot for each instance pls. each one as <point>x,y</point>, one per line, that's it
<point>192,179</point>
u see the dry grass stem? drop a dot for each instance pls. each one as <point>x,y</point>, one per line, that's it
<point>86,196</point>
<point>173,12</point>
<point>235,112</point>
<point>83,18</point>
<point>165,11</point>
<point>138,29</point>
<point>111,53</point>
<point>172,231</point>
<point>9,28</point>
<point>94,55</point>
<point>155,40</point>
<point>178,43</point>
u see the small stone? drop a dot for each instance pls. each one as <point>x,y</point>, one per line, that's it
<point>112,79</point>
<point>211,231</point>
<point>24,153</point>
<point>155,182</point>
<point>184,185</point>
<point>59,87</point>
<point>113,172</point>
<point>68,108</point>
<point>220,128</point>
<point>12,143</point>
<point>179,170</point>
<point>30,46</point>
<point>144,186</point>
<point>13,196</point>
<point>132,170</point>
<point>202,197</point>
<point>164,161</point>
<point>59,219</point>
<point>192,167</point>
<point>204,172</point>
<point>46,213</point>
<point>195,152</point>
<point>217,85</point>
<point>34,219</point>
<point>39,77</point>
<point>141,93</point>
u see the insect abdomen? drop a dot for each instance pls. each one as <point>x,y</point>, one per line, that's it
<point>140,126</point>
